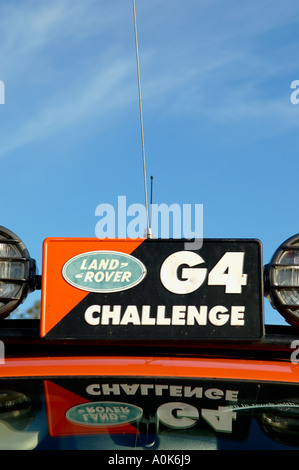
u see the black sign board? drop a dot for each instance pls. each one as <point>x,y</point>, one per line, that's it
<point>152,290</point>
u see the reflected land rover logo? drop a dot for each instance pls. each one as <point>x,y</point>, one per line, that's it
<point>103,271</point>
<point>104,414</point>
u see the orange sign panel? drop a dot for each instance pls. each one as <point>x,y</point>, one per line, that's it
<point>59,295</point>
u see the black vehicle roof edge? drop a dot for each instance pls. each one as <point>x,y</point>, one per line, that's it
<point>24,331</point>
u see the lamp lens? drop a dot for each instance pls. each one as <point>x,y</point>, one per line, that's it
<point>287,276</point>
<point>12,269</point>
<point>282,280</point>
<point>17,272</point>
<point>290,297</point>
<point>8,289</point>
<point>8,251</point>
<point>290,257</point>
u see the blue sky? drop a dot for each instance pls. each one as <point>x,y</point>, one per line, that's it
<point>219,126</point>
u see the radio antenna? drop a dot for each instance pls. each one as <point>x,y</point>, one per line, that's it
<point>151,201</point>
<point>148,232</point>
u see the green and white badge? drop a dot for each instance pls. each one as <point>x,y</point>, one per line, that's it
<point>104,271</point>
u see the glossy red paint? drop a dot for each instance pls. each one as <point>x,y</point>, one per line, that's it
<point>280,371</point>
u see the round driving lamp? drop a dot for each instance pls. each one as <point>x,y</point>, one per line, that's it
<point>282,280</point>
<point>17,272</point>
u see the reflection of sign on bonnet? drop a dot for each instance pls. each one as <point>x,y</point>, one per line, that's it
<point>100,405</point>
<point>104,414</point>
<point>103,271</point>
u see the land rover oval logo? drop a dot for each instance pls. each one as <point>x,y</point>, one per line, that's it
<point>104,414</point>
<point>103,271</point>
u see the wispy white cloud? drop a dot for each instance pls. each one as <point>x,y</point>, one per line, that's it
<point>97,96</point>
<point>63,62</point>
<point>232,64</point>
<point>61,65</point>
